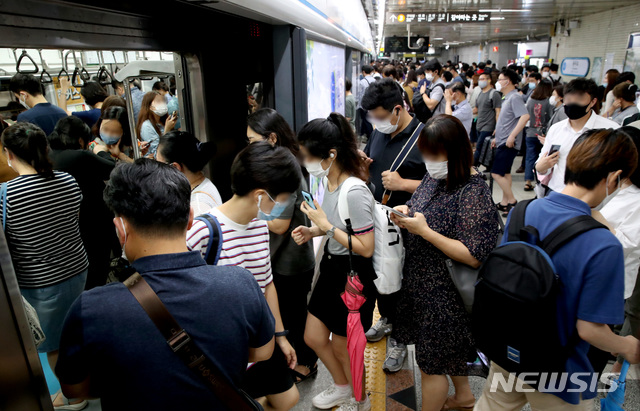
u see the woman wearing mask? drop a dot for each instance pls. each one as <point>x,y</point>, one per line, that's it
<point>293,266</point>
<point>611,80</point>
<point>452,216</point>
<point>410,84</point>
<point>68,153</point>
<point>42,232</point>
<point>113,128</point>
<point>263,178</point>
<point>150,127</point>
<point>625,97</point>
<point>186,153</point>
<point>329,150</point>
<point>556,100</point>
<point>540,112</point>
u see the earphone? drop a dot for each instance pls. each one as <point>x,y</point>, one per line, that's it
<point>331,155</point>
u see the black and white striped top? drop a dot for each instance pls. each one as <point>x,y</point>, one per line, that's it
<point>42,229</point>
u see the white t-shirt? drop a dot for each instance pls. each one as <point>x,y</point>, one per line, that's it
<point>205,197</point>
<point>245,246</point>
<point>623,212</point>
<point>564,135</point>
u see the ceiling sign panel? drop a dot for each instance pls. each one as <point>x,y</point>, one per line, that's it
<point>462,17</point>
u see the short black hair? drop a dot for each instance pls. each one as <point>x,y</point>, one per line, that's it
<point>93,93</point>
<point>581,85</point>
<point>513,77</point>
<point>420,71</point>
<point>184,148</point>
<point>25,82</point>
<point>384,93</point>
<point>67,133</point>
<point>481,65</point>
<point>465,67</point>
<point>532,69</point>
<point>447,76</point>
<point>536,76</point>
<point>626,76</point>
<point>367,69</point>
<point>433,65</point>
<point>489,62</point>
<point>261,165</point>
<point>154,197</point>
<point>347,84</point>
<point>553,67</point>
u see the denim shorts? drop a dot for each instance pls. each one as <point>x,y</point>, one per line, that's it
<point>52,304</point>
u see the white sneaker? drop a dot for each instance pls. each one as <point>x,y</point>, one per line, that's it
<point>332,397</point>
<point>354,405</point>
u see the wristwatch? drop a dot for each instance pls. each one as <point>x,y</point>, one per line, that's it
<point>331,232</point>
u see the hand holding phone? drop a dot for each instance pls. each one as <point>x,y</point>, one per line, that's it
<point>554,149</point>
<point>308,199</point>
<point>394,211</point>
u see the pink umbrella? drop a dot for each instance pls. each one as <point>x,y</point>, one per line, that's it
<point>356,340</point>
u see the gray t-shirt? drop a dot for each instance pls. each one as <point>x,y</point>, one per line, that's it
<point>287,257</point>
<point>512,109</point>
<point>361,205</point>
<point>487,103</point>
<point>437,93</point>
<point>350,110</point>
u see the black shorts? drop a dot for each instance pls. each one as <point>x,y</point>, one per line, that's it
<point>326,302</point>
<point>269,377</point>
<point>503,160</point>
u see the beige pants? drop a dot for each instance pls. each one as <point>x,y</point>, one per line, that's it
<point>514,401</point>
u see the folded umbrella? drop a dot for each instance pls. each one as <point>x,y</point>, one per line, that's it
<point>356,340</point>
<point>615,398</point>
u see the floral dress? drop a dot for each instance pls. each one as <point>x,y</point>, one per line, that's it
<point>431,313</point>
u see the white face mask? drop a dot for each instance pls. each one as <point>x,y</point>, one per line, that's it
<point>316,170</point>
<point>545,74</point>
<point>160,109</point>
<point>553,101</point>
<point>24,102</point>
<point>429,76</point>
<point>483,83</point>
<point>437,170</point>
<point>555,76</point>
<point>498,86</point>
<point>385,126</point>
<point>608,197</point>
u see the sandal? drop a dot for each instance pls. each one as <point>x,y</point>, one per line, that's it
<point>502,207</point>
<point>313,371</point>
<point>508,208</point>
<point>450,405</point>
<point>528,187</point>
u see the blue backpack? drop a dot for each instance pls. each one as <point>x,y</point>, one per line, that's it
<point>215,238</point>
<point>514,318</point>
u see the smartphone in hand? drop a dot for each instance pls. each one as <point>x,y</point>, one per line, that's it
<point>554,149</point>
<point>394,211</point>
<point>308,199</point>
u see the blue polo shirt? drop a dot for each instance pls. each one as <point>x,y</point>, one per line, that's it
<point>109,337</point>
<point>43,115</point>
<point>90,117</point>
<point>591,270</point>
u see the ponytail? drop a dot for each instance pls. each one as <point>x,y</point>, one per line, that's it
<point>29,143</point>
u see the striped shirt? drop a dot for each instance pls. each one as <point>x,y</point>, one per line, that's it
<point>246,246</point>
<point>42,229</point>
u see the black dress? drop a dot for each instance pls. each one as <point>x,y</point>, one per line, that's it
<point>431,313</point>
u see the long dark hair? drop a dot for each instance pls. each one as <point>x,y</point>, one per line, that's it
<point>444,134</point>
<point>146,113</point>
<point>67,133</point>
<point>411,77</point>
<point>266,121</point>
<point>29,143</point>
<point>120,114</point>
<point>542,90</point>
<point>185,149</point>
<point>612,80</point>
<point>321,135</point>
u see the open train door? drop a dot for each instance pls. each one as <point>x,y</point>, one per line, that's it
<point>22,383</point>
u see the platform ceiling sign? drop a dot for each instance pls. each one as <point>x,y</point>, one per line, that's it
<point>438,17</point>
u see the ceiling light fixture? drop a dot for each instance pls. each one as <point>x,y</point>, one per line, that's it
<point>496,18</point>
<point>505,11</point>
<point>438,38</point>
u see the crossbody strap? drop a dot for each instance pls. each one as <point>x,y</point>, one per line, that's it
<point>402,156</point>
<point>181,343</point>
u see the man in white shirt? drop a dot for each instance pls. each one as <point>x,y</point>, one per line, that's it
<point>456,94</point>
<point>579,100</point>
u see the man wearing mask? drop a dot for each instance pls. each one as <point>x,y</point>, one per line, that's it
<point>488,105</point>
<point>533,80</point>
<point>579,100</point>
<point>27,89</point>
<point>458,105</point>
<point>545,71</point>
<point>394,127</point>
<point>555,77</point>
<point>433,94</point>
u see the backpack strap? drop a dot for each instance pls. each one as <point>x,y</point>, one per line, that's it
<point>569,230</point>
<point>343,203</point>
<point>402,156</point>
<point>516,223</point>
<point>215,238</point>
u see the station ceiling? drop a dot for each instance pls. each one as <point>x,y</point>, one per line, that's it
<point>508,20</point>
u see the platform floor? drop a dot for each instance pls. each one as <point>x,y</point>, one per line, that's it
<point>401,391</point>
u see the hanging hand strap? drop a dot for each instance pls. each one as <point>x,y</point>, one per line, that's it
<point>181,343</point>
<point>26,55</point>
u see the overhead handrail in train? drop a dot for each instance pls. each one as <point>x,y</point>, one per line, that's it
<point>44,64</point>
<point>66,73</point>
<point>138,69</point>
<point>103,73</point>
<point>19,61</point>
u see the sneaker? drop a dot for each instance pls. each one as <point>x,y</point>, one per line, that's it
<point>379,330</point>
<point>332,397</point>
<point>395,356</point>
<point>354,405</point>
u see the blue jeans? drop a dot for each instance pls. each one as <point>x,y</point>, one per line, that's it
<point>533,151</point>
<point>481,137</point>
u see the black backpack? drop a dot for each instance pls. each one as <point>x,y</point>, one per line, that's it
<point>420,107</point>
<point>514,318</point>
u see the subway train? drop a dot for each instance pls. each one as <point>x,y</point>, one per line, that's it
<point>223,59</point>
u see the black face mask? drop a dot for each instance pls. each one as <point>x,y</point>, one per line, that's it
<point>575,111</point>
